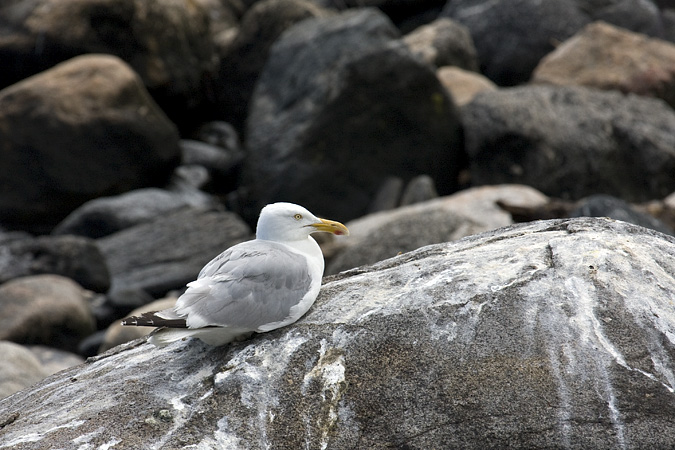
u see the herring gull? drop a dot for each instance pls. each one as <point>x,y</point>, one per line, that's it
<point>255,286</point>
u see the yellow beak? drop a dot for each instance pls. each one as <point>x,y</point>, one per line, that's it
<point>330,226</point>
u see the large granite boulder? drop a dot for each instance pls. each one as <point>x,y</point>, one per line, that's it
<point>554,334</point>
<point>80,130</point>
<point>571,142</point>
<point>340,106</point>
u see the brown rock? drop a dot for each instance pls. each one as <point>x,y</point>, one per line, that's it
<point>607,57</point>
<point>83,129</point>
<point>463,84</point>
<point>45,309</point>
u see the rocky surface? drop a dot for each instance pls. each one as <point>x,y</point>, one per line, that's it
<point>550,334</point>
<point>46,310</point>
<point>74,257</point>
<point>385,234</point>
<point>608,57</point>
<point>571,142</point>
<point>169,251</point>
<point>140,124</point>
<point>339,116</point>
<point>83,129</point>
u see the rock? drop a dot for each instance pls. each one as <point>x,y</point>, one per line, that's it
<point>107,215</point>
<point>419,189</point>
<point>607,57</point>
<point>387,196</point>
<point>223,165</point>
<point>385,234</point>
<point>221,134</point>
<point>45,310</point>
<point>117,304</point>
<point>53,360</point>
<point>70,256</point>
<point>444,42</point>
<point>642,17</point>
<point>544,335</point>
<point>462,84</point>
<point>511,37</point>
<point>243,59</point>
<point>571,142</point>
<point>95,132</point>
<point>340,106</point>
<point>20,368</point>
<point>615,208</point>
<point>169,251</point>
<point>168,43</point>
<point>116,334</point>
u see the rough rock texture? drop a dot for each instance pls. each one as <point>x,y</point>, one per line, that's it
<point>571,142</point>
<point>608,57</point>
<point>169,252</point>
<point>167,42</point>
<point>80,130</point>
<point>340,106</point>
<point>512,36</point>
<point>70,256</point>
<point>382,235</point>
<point>243,60</point>
<point>444,42</point>
<point>45,310</point>
<point>556,334</point>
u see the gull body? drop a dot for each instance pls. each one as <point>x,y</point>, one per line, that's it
<point>255,286</point>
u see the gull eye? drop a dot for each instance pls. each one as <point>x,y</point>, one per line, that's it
<point>297,216</point>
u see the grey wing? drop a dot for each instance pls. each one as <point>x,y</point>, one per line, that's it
<point>247,286</point>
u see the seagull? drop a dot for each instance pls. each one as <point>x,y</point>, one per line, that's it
<point>252,287</point>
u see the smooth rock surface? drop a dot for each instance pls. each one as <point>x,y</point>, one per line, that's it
<point>572,142</point>
<point>83,129</point>
<point>169,252</point>
<point>48,310</point>
<point>554,334</point>
<point>20,368</point>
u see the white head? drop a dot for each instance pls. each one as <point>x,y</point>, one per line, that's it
<point>290,222</point>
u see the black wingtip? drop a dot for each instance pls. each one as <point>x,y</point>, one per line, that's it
<point>150,319</point>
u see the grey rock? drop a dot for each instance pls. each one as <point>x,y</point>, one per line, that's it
<point>571,142</point>
<point>419,189</point>
<point>387,196</point>
<point>615,208</point>
<point>53,360</point>
<point>444,42</point>
<point>170,251</point>
<point>382,235</point>
<point>20,368</point>
<point>45,310</point>
<point>512,36</point>
<point>551,334</point>
<point>74,257</point>
<point>340,106</point>
<point>243,59</point>
<point>107,215</point>
<point>96,132</point>
<point>642,16</point>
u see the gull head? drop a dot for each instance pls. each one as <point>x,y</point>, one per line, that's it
<point>290,222</point>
